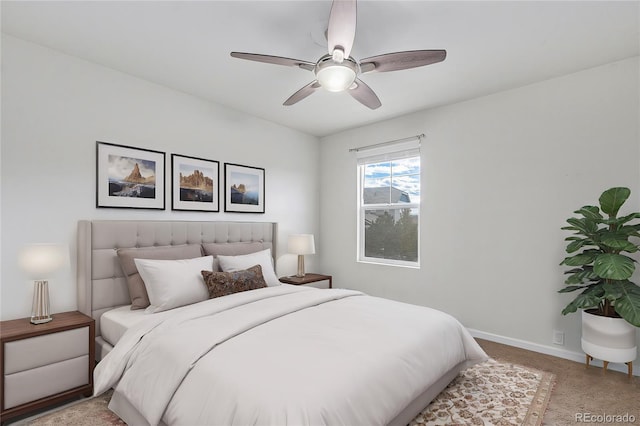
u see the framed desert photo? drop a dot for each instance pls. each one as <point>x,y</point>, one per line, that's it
<point>243,189</point>
<point>128,177</point>
<point>194,184</point>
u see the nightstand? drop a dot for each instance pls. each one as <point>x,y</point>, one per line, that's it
<point>313,280</point>
<point>45,364</point>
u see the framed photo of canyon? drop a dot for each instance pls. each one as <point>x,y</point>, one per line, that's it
<point>129,177</point>
<point>243,189</point>
<point>195,184</point>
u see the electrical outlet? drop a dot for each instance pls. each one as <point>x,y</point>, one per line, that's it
<point>558,337</point>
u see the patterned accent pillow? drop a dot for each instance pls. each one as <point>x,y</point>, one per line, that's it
<point>224,283</point>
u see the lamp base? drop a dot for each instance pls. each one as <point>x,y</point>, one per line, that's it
<point>41,320</point>
<point>300,273</point>
<point>40,307</point>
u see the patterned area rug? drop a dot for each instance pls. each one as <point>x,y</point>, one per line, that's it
<point>491,393</point>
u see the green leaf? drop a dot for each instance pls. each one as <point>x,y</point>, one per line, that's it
<point>612,199</point>
<point>621,220</point>
<point>570,289</point>
<point>618,241</point>
<point>577,245</point>
<point>628,304</point>
<point>581,276</point>
<point>590,298</point>
<point>574,280</point>
<point>580,259</point>
<point>590,212</point>
<point>630,230</point>
<point>584,225</point>
<point>574,270</point>
<point>613,266</point>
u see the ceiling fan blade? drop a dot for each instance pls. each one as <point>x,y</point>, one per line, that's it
<point>402,60</point>
<point>277,60</point>
<point>341,30</point>
<point>363,94</point>
<point>302,93</point>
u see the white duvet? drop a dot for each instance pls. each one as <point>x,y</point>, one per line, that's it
<point>284,355</point>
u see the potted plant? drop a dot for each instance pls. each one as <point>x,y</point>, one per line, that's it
<point>601,271</point>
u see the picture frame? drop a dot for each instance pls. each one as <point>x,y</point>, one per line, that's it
<point>195,184</point>
<point>129,177</point>
<point>243,188</point>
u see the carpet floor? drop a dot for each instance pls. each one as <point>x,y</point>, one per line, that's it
<point>492,393</point>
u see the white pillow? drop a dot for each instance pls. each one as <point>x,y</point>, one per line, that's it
<point>174,283</point>
<point>262,258</point>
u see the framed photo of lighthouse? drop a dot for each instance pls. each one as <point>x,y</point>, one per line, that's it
<point>129,177</point>
<point>243,189</point>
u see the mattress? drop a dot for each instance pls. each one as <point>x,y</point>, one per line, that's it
<point>114,323</point>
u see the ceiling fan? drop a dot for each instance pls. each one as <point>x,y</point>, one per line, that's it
<point>338,71</point>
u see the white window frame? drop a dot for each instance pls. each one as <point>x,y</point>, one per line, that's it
<point>377,154</point>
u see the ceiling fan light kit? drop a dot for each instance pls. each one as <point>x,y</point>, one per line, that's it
<point>334,76</point>
<point>337,71</point>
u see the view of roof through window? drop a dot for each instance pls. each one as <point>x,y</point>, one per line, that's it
<point>392,182</point>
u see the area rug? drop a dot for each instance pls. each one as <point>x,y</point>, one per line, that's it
<point>491,393</point>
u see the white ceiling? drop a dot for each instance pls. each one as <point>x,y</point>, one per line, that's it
<point>491,46</point>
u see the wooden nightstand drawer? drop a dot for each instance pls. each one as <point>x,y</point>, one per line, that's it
<point>45,364</point>
<point>37,351</point>
<point>36,383</point>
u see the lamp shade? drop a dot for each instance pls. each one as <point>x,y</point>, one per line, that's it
<point>39,261</point>
<point>301,244</point>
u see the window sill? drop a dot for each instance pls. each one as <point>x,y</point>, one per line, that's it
<point>399,264</point>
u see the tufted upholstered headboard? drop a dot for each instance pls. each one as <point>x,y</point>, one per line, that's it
<point>101,283</point>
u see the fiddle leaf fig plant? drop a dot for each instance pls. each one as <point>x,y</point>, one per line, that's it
<point>600,267</point>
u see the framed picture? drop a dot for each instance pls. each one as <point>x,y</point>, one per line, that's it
<point>243,189</point>
<point>128,177</point>
<point>195,184</point>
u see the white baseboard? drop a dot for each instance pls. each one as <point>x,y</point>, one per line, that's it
<point>550,350</point>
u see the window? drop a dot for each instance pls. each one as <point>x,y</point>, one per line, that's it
<point>389,204</point>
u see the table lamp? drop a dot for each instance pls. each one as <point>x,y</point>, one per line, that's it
<point>301,244</point>
<point>39,261</point>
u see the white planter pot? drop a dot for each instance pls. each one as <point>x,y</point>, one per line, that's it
<point>608,339</point>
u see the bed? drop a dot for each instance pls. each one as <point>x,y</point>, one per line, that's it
<point>277,354</point>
